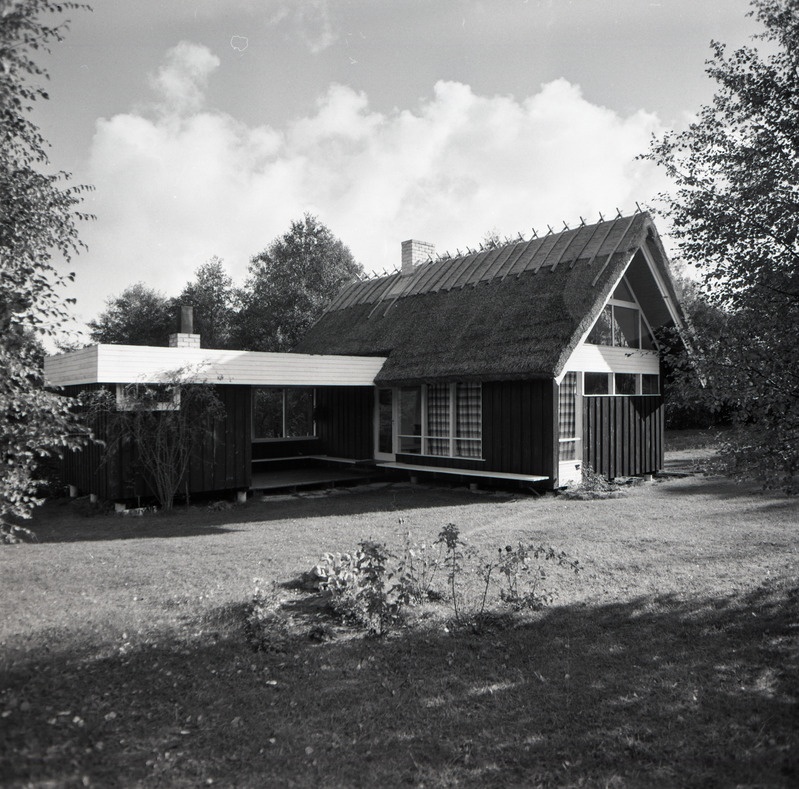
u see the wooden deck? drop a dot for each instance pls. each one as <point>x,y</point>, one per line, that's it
<point>318,476</point>
<point>463,472</point>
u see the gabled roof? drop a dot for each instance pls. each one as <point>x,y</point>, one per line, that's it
<point>512,312</point>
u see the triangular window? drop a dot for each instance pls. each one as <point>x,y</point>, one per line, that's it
<point>622,324</point>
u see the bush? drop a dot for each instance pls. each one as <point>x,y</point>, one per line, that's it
<point>372,588</point>
<point>266,627</point>
<point>361,586</point>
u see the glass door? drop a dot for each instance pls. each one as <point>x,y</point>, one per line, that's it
<point>384,425</point>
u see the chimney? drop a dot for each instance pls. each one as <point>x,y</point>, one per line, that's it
<point>414,253</point>
<point>185,338</point>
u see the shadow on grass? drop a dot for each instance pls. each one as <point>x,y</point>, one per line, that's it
<point>655,692</point>
<point>58,521</point>
<point>722,487</point>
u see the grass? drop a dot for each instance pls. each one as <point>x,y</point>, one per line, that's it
<point>671,660</point>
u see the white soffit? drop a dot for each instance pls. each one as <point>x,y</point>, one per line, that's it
<point>148,364</point>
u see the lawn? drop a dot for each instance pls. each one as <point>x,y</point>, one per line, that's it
<point>670,660</point>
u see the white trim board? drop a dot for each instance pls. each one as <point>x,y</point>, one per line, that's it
<point>148,364</point>
<point>607,359</point>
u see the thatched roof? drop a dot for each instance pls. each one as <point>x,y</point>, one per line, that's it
<point>516,311</point>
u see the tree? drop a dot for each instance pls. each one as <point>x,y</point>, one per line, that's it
<point>165,422</point>
<point>491,239</point>
<point>37,226</point>
<point>290,283</point>
<point>213,297</point>
<point>735,216</point>
<point>138,316</point>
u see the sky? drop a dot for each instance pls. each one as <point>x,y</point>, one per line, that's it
<point>207,126</point>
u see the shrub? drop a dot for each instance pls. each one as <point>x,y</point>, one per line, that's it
<point>266,627</point>
<point>417,571</point>
<point>361,586</point>
<point>592,486</point>
<point>522,572</point>
<point>371,587</point>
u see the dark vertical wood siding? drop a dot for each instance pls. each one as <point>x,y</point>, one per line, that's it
<point>517,430</point>
<point>517,427</point>
<point>623,436</point>
<point>221,462</point>
<point>345,421</point>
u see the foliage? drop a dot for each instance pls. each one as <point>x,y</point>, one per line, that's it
<point>449,537</point>
<point>419,565</point>
<point>140,315</point>
<point>289,285</point>
<point>734,216</point>
<point>361,586</point>
<point>266,627</point>
<point>372,587</point>
<point>522,571</point>
<point>37,227</point>
<point>686,401</point>
<point>166,423</point>
<point>593,485</point>
<point>214,298</point>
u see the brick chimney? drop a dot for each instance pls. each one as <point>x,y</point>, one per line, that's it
<point>185,338</point>
<point>414,253</point>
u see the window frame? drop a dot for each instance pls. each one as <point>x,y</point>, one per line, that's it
<point>127,398</point>
<point>574,440</point>
<point>644,327</point>
<point>284,437</point>
<point>639,390</point>
<point>452,438</point>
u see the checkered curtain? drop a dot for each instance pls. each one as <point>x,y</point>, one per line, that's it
<point>468,420</point>
<point>438,419</point>
<point>567,415</point>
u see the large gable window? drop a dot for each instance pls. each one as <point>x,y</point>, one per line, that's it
<point>282,412</point>
<point>442,420</point>
<point>621,324</point>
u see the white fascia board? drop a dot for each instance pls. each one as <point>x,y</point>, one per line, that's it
<point>74,367</point>
<point>148,364</point>
<point>606,359</point>
<point>665,292</point>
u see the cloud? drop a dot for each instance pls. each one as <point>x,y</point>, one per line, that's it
<point>181,80</point>
<point>174,188</point>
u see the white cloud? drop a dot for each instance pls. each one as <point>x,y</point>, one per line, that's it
<point>181,80</point>
<point>176,186</point>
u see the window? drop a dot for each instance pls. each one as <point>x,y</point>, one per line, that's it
<point>596,383</point>
<point>410,420</point>
<point>625,383</point>
<point>567,417</point>
<point>385,426</point>
<point>621,324</point>
<point>602,333</point>
<point>148,397</point>
<point>282,413</point>
<point>650,384</point>
<point>442,420</point>
<point>621,383</point>
<point>626,333</point>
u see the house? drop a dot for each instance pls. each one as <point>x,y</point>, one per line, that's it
<point>521,363</point>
